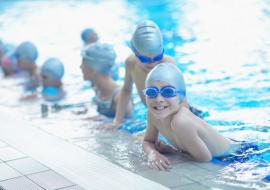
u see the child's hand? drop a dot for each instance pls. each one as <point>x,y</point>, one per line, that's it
<point>96,118</point>
<point>28,96</point>
<point>114,125</point>
<point>80,111</point>
<point>158,161</point>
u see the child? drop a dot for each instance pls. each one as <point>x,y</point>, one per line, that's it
<point>8,60</point>
<point>26,54</point>
<point>165,94</point>
<point>52,72</point>
<point>148,51</point>
<point>98,59</point>
<point>89,36</point>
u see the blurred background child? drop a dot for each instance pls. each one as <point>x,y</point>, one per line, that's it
<point>26,54</point>
<point>89,36</point>
<point>8,60</point>
<point>97,61</point>
<point>52,72</point>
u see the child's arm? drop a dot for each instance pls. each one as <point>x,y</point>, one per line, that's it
<point>124,98</point>
<point>191,140</point>
<point>155,159</point>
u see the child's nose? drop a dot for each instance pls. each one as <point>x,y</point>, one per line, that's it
<point>159,98</point>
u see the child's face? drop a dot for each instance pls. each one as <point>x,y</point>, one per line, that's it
<point>49,82</point>
<point>87,71</point>
<point>160,106</point>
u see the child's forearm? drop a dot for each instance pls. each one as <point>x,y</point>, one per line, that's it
<point>149,148</point>
<point>124,98</point>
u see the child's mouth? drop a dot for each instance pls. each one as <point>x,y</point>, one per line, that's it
<point>160,108</point>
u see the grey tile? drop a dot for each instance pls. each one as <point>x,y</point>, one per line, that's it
<point>27,166</point>
<point>50,180</point>
<point>216,184</point>
<point>166,178</point>
<point>9,153</point>
<point>193,186</point>
<point>20,183</point>
<point>7,172</point>
<point>176,158</point>
<point>215,168</point>
<point>192,171</point>
<point>76,187</point>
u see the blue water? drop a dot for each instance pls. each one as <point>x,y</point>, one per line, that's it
<point>222,48</point>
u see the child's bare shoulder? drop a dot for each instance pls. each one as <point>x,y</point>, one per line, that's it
<point>130,60</point>
<point>182,119</point>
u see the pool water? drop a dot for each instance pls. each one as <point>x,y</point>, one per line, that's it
<point>222,47</point>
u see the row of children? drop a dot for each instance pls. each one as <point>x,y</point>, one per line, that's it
<point>161,87</point>
<point>21,61</point>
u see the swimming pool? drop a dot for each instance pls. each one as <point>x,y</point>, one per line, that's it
<point>222,48</point>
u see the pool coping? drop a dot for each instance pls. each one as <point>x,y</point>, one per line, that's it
<point>83,168</point>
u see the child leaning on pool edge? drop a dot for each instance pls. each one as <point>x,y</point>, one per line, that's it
<point>165,93</point>
<point>148,51</point>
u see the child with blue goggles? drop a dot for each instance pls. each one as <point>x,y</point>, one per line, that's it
<point>167,115</point>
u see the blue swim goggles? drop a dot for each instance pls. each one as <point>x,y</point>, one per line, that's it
<point>146,60</point>
<point>166,92</point>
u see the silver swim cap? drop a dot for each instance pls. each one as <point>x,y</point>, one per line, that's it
<point>27,51</point>
<point>100,57</point>
<point>147,38</point>
<point>53,68</point>
<point>167,72</point>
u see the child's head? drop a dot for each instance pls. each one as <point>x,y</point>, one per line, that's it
<point>89,36</point>
<point>26,54</point>
<point>147,42</point>
<point>9,64</point>
<point>52,72</point>
<point>165,89</point>
<point>97,58</point>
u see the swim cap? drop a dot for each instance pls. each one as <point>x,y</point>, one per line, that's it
<point>167,72</point>
<point>9,62</point>
<point>6,47</point>
<point>27,51</point>
<point>147,38</point>
<point>100,57</point>
<point>53,68</point>
<point>87,34</point>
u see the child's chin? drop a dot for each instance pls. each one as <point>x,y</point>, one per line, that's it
<point>160,115</point>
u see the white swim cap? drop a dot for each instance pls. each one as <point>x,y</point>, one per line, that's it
<point>167,72</point>
<point>100,57</point>
<point>27,51</point>
<point>147,38</point>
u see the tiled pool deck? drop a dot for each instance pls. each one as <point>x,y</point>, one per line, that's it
<point>33,159</point>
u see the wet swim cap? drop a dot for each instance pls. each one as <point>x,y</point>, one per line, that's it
<point>167,72</point>
<point>53,68</point>
<point>9,62</point>
<point>100,57</point>
<point>147,38</point>
<point>27,51</point>
<point>87,34</point>
<point>6,47</point>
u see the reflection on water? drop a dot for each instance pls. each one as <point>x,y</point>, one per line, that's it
<point>221,46</point>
